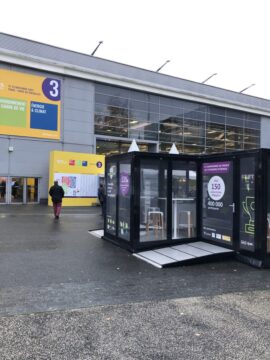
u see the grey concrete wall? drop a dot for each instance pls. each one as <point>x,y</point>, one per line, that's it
<point>4,159</point>
<point>30,158</point>
<point>78,113</point>
<point>265,132</point>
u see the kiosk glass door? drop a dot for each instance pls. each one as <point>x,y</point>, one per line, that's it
<point>217,201</point>
<point>153,200</point>
<point>183,199</point>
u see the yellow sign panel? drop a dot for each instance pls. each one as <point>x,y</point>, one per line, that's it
<point>29,105</point>
<point>78,174</point>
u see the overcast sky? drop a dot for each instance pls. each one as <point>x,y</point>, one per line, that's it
<point>199,37</point>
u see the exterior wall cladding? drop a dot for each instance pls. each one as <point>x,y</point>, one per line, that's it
<point>78,74</point>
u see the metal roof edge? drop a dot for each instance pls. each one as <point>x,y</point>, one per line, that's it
<point>38,63</point>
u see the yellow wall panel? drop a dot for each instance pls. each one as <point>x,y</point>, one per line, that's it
<point>78,174</point>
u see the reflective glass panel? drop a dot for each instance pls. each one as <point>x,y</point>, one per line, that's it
<point>31,190</point>
<point>227,129</point>
<point>17,190</point>
<point>268,205</point>
<point>3,183</point>
<point>183,200</point>
<point>153,200</point>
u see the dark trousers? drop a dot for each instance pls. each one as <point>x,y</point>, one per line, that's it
<point>57,208</point>
<point>102,204</point>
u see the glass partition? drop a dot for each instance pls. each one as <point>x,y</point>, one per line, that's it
<point>247,203</point>
<point>268,204</point>
<point>153,200</point>
<point>124,200</point>
<point>32,190</point>
<point>3,183</point>
<point>111,192</point>
<point>183,199</point>
<point>17,189</point>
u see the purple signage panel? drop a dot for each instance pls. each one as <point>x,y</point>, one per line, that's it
<point>124,184</point>
<point>222,167</point>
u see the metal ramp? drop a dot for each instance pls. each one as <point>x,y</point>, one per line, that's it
<point>99,233</point>
<point>183,254</point>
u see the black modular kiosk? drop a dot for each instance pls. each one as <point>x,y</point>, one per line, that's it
<point>155,200</point>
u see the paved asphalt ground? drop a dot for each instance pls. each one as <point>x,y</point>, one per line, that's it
<point>65,294</point>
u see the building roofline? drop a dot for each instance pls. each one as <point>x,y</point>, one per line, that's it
<point>31,61</point>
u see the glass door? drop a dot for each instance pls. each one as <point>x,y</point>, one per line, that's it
<point>3,187</point>
<point>31,190</point>
<point>183,199</point>
<point>17,188</point>
<point>217,201</point>
<point>153,200</point>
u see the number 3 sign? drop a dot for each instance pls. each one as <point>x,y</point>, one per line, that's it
<point>51,89</point>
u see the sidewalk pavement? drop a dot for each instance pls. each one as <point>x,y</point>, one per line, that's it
<point>67,295</point>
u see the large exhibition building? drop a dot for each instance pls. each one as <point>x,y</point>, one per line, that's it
<point>55,101</point>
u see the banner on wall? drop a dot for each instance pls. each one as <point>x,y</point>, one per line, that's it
<point>29,105</point>
<point>78,185</point>
<point>79,174</point>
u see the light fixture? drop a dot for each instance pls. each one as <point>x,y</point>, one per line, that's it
<point>248,87</point>
<point>203,82</point>
<point>100,42</point>
<point>166,62</point>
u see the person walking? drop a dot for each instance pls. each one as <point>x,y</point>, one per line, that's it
<point>57,193</point>
<point>101,197</point>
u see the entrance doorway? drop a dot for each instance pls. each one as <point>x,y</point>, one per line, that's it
<point>17,187</point>
<point>3,182</point>
<point>19,190</point>
<point>218,204</point>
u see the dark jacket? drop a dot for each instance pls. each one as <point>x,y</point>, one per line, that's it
<point>57,193</point>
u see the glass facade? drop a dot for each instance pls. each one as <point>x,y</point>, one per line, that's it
<point>194,128</point>
<point>110,147</point>
<point>268,205</point>
<point>3,190</point>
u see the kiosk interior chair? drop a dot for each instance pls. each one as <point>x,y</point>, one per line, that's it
<point>155,200</point>
<point>154,219</point>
